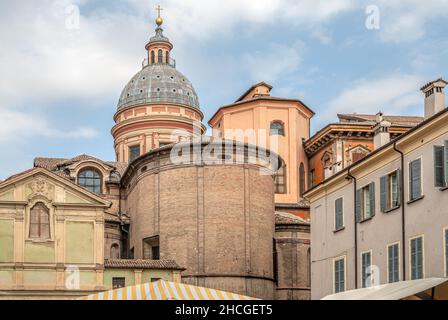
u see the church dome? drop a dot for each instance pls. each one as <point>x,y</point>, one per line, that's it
<point>158,83</point>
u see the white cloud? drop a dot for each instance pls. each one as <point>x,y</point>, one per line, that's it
<point>406,21</point>
<point>19,125</point>
<point>271,64</point>
<point>391,94</point>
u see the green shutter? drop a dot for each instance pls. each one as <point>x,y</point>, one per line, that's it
<point>372,199</point>
<point>383,193</point>
<point>439,174</point>
<point>446,162</point>
<point>358,205</point>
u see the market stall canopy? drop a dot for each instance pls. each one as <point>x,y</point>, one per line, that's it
<point>165,290</point>
<point>422,289</point>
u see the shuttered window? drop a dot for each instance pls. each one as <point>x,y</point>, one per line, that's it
<point>338,214</point>
<point>339,275</point>
<point>417,258</point>
<point>39,222</point>
<point>365,202</point>
<point>439,166</point>
<point>390,191</point>
<point>393,263</point>
<point>415,180</point>
<point>366,258</point>
<point>446,162</point>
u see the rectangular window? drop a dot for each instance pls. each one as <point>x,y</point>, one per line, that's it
<point>439,167</point>
<point>366,258</point>
<point>280,181</point>
<point>118,283</point>
<point>134,152</point>
<point>312,178</point>
<point>151,248</point>
<point>415,180</point>
<point>155,279</point>
<point>365,202</point>
<point>339,275</point>
<point>417,258</point>
<point>338,214</point>
<point>390,191</point>
<point>393,263</point>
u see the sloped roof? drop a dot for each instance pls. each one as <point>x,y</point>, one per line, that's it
<point>285,218</point>
<point>406,121</point>
<point>54,164</point>
<point>142,264</point>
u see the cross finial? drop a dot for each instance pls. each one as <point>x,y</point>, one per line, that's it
<point>159,19</point>
<point>158,9</point>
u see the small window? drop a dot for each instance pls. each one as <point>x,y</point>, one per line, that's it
<point>153,58</point>
<point>356,156</point>
<point>366,259</point>
<point>365,203</point>
<point>390,191</point>
<point>415,180</point>
<point>441,165</point>
<point>39,222</point>
<point>312,178</point>
<point>280,181</point>
<point>160,56</point>
<point>134,152</point>
<point>301,179</point>
<point>167,55</point>
<point>155,279</point>
<point>393,263</point>
<point>91,180</point>
<point>151,248</point>
<point>277,128</point>
<point>339,275</point>
<point>339,214</point>
<point>417,258</point>
<point>118,283</point>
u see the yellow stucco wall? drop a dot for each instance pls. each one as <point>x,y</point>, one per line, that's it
<point>79,242</point>
<point>6,241</point>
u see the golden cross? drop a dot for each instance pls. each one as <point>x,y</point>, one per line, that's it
<point>159,8</point>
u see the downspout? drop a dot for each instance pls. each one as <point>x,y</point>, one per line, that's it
<point>403,216</point>
<point>351,177</point>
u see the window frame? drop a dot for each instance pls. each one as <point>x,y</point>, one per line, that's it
<point>277,184</point>
<point>399,261</point>
<point>342,227</point>
<point>388,206</point>
<point>146,241</point>
<point>39,237</point>
<point>422,236</point>
<point>366,192</point>
<point>344,259</point>
<point>410,193</point>
<point>118,279</point>
<point>130,147</point>
<point>363,272</point>
<point>100,179</point>
<point>281,132</point>
<point>160,56</point>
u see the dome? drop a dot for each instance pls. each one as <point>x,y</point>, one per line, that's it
<point>158,83</point>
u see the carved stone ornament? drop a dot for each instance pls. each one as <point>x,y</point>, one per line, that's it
<point>40,187</point>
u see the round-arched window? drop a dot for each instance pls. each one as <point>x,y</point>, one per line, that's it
<point>277,128</point>
<point>90,179</point>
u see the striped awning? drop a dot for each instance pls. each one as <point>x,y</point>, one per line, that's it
<point>165,290</point>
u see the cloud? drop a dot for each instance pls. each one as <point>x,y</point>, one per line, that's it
<point>407,21</point>
<point>392,94</point>
<point>20,125</point>
<point>271,64</point>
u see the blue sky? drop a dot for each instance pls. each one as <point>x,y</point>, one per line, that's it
<point>60,84</point>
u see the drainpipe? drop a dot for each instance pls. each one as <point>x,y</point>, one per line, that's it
<point>351,177</point>
<point>403,216</point>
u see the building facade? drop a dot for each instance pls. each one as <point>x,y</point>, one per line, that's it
<point>384,219</point>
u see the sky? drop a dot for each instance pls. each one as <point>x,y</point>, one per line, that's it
<point>63,64</point>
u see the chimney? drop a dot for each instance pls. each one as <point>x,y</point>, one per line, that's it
<point>434,97</point>
<point>381,131</point>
